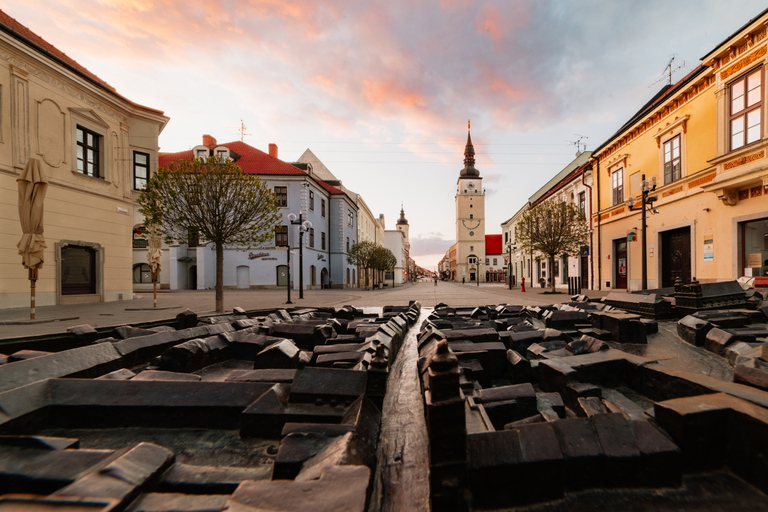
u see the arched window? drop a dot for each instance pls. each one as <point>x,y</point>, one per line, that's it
<point>142,273</point>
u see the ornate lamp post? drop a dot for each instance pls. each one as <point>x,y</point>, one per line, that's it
<point>304,225</point>
<point>646,203</point>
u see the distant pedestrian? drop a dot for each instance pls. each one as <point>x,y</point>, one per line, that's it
<point>462,280</point>
<point>435,281</point>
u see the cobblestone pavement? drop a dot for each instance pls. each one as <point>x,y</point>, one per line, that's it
<point>15,322</point>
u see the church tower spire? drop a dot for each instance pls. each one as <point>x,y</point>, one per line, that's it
<point>469,159</point>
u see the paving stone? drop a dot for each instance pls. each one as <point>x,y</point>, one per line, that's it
<point>620,447</point>
<point>339,489</point>
<point>124,477</point>
<point>583,454</point>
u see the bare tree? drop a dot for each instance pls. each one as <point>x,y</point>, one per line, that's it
<point>215,199</point>
<point>553,228</point>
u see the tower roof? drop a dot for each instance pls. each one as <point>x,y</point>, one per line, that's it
<point>469,170</point>
<point>402,219</point>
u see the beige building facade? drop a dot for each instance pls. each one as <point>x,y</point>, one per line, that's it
<point>96,148</point>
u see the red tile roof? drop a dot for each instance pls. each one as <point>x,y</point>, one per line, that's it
<point>252,161</point>
<point>493,244</point>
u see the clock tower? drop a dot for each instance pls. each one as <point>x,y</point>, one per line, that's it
<point>470,220</point>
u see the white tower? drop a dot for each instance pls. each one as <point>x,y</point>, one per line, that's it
<point>470,220</point>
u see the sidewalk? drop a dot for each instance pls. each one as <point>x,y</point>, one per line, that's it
<point>15,322</point>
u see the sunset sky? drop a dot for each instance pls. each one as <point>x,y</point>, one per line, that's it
<point>381,91</point>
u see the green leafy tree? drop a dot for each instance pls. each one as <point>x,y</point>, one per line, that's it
<point>553,228</point>
<point>384,260</point>
<point>216,200</point>
<point>362,254</point>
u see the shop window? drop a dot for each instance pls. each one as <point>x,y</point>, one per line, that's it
<point>754,258</point>
<point>78,270</point>
<point>142,273</point>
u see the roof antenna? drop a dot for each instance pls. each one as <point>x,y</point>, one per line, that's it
<point>242,130</point>
<point>668,70</point>
<point>578,143</point>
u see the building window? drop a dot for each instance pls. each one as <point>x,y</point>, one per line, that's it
<point>672,168</point>
<point>506,237</point>
<point>583,204</point>
<point>202,154</point>
<point>311,200</point>
<point>322,241</point>
<point>88,152</point>
<point>222,155</point>
<point>282,196</point>
<point>193,237</point>
<point>347,244</point>
<point>471,216</point>
<point>281,236</point>
<point>312,237</point>
<point>494,261</point>
<point>140,170</point>
<point>142,273</point>
<point>487,261</point>
<point>472,260</point>
<point>350,218</point>
<point>617,186</point>
<point>322,207</point>
<point>746,95</point>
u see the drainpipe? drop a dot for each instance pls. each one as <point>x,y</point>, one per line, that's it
<point>591,249</point>
<point>599,231</point>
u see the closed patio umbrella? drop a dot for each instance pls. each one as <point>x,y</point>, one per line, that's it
<point>32,187</point>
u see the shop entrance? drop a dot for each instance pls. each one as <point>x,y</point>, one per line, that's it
<point>620,263</point>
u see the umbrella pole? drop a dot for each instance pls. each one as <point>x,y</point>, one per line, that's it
<point>32,282</point>
<point>154,288</point>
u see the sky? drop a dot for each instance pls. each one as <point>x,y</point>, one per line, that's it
<point>381,91</point>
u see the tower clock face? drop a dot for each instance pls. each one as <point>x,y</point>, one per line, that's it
<point>472,224</point>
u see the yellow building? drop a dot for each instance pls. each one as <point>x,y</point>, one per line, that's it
<point>702,144</point>
<point>97,150</point>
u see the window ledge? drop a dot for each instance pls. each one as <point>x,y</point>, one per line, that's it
<point>89,177</point>
<point>742,151</point>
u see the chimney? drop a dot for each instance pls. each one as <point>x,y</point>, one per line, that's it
<point>209,141</point>
<point>273,150</point>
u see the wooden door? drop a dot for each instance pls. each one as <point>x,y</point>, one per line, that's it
<point>675,256</point>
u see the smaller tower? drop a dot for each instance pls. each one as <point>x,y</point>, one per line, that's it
<point>402,225</point>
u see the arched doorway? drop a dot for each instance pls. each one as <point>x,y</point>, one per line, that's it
<point>142,274</point>
<point>193,277</point>
<point>324,278</point>
<point>312,276</point>
<point>347,282</point>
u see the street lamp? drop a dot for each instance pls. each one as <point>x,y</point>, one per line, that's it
<point>304,225</point>
<point>646,203</point>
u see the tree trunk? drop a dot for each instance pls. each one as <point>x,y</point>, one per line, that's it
<point>220,277</point>
<point>365,269</point>
<point>552,273</point>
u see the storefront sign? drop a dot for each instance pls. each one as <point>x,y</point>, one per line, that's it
<point>755,259</point>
